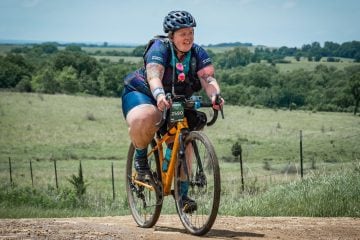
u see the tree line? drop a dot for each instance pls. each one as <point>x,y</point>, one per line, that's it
<point>46,69</point>
<point>247,77</point>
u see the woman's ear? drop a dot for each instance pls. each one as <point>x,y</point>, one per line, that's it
<point>171,35</point>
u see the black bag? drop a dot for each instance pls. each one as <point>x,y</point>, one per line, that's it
<point>196,119</point>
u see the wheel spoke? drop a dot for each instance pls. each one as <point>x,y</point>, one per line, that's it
<point>204,184</point>
<point>145,203</point>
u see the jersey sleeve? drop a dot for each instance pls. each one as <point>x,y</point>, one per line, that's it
<point>157,53</point>
<point>202,58</point>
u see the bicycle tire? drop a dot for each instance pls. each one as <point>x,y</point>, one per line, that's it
<point>145,204</point>
<point>204,183</point>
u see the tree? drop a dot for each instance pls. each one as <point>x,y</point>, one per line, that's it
<point>44,81</point>
<point>236,149</point>
<point>239,56</point>
<point>13,68</point>
<point>138,51</point>
<point>79,183</point>
<point>68,80</point>
<point>73,48</point>
<point>24,85</point>
<point>355,89</point>
<point>111,79</point>
<point>10,74</point>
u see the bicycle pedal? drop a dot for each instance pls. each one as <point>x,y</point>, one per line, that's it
<point>189,208</point>
<point>143,177</point>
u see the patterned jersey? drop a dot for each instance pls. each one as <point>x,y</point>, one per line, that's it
<point>159,52</point>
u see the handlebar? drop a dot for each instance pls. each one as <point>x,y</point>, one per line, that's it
<point>194,102</point>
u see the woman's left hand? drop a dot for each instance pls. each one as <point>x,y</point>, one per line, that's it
<point>217,102</point>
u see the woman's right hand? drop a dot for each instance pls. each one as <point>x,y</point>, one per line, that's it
<point>162,103</point>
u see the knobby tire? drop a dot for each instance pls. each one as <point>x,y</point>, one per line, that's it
<point>204,187</point>
<point>144,216</point>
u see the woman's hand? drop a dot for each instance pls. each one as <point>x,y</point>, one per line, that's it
<point>217,102</point>
<point>162,103</point>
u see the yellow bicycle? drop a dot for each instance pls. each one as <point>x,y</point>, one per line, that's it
<point>193,161</point>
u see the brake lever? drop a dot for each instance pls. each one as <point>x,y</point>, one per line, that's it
<point>218,102</point>
<point>163,114</point>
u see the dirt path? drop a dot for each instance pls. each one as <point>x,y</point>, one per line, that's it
<point>169,227</point>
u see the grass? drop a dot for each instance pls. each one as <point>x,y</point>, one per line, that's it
<point>310,66</point>
<point>43,128</point>
<point>117,58</point>
<point>333,195</point>
<point>39,127</point>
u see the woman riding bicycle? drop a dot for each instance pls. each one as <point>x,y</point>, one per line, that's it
<point>144,96</point>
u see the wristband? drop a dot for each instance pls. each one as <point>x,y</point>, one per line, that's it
<point>158,91</point>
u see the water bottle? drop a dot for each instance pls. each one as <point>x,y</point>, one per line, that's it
<point>197,101</point>
<point>166,159</point>
<point>197,104</point>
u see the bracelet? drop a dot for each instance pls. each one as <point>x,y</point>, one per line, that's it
<point>158,91</point>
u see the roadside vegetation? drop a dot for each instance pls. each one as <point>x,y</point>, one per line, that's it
<point>44,128</point>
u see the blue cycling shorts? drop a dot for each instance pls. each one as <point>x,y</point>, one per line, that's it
<point>131,99</point>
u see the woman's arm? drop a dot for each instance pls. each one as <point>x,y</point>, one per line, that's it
<point>155,73</point>
<point>208,81</point>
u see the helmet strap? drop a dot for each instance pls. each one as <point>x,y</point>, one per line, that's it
<point>179,50</point>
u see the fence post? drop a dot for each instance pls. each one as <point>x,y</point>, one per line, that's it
<point>241,169</point>
<point>301,155</point>
<point>56,178</point>
<point>112,178</point>
<point>31,174</point>
<point>10,170</point>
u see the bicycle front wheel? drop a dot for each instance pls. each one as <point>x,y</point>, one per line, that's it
<point>197,176</point>
<point>145,204</point>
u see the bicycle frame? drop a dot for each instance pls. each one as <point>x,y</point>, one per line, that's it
<point>168,176</point>
<point>196,192</point>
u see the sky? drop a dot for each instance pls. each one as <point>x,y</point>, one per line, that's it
<point>272,23</point>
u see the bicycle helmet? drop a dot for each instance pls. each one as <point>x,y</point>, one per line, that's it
<point>176,20</point>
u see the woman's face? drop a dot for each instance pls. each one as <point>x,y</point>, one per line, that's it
<point>184,39</point>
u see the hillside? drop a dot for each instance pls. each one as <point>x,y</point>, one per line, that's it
<point>93,127</point>
<point>40,132</point>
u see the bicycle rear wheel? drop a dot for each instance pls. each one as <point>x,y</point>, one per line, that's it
<point>145,204</point>
<point>200,169</point>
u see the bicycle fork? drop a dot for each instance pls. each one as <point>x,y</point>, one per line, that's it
<point>200,178</point>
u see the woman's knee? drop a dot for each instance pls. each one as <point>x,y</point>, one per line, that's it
<point>142,115</point>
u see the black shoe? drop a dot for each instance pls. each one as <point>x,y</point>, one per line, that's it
<point>189,205</point>
<point>142,168</point>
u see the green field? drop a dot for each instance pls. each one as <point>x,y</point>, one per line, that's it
<point>117,58</point>
<point>6,48</point>
<point>69,129</point>
<point>310,66</point>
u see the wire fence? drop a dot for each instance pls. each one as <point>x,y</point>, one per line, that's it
<point>293,163</point>
<point>302,158</point>
<point>102,177</point>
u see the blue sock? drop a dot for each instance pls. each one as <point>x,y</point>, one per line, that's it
<point>184,188</point>
<point>140,152</point>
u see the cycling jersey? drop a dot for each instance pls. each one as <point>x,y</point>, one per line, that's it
<point>160,52</point>
<point>196,59</point>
